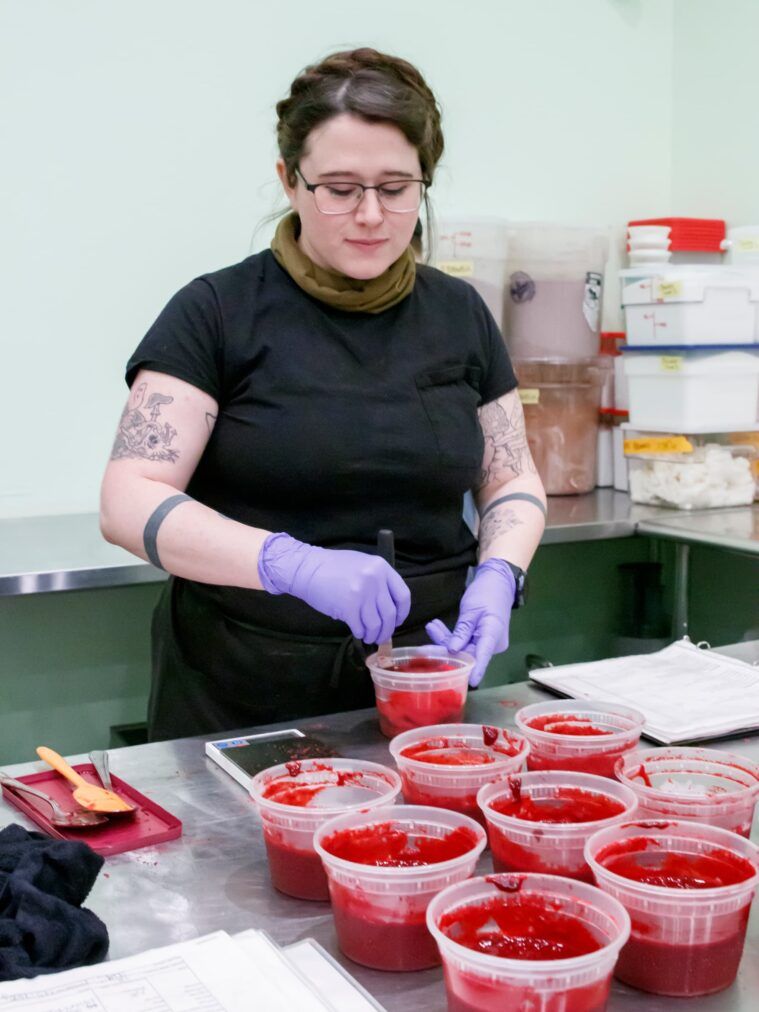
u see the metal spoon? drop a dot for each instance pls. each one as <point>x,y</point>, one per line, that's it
<point>99,759</point>
<point>73,820</point>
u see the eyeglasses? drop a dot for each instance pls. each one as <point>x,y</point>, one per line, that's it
<point>401,196</point>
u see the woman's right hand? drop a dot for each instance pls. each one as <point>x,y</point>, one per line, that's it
<point>353,587</point>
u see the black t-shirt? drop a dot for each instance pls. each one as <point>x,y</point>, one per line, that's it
<point>334,424</point>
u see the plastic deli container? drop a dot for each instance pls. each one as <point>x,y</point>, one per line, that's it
<point>426,685</point>
<point>447,764</point>
<point>295,798</point>
<point>587,736</point>
<point>692,389</point>
<point>539,822</point>
<point>688,889</point>
<point>476,250</point>
<point>561,400</point>
<point>690,304</point>
<point>695,784</point>
<point>384,868</point>
<point>491,930</point>
<point>554,288</point>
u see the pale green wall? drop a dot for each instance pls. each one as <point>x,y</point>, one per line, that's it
<point>715,115</point>
<point>138,147</point>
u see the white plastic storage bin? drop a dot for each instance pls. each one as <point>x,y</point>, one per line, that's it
<point>692,390</point>
<point>690,304</point>
<point>476,250</point>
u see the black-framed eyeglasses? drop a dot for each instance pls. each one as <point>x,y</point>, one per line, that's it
<point>401,196</point>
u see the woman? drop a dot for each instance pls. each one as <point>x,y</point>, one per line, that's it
<point>285,409</point>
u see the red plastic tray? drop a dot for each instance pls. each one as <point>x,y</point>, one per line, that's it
<point>148,826</point>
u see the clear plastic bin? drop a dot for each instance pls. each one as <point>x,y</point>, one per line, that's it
<point>587,736</point>
<point>379,910</point>
<point>476,250</point>
<point>479,981</point>
<point>561,400</point>
<point>449,763</point>
<point>422,695</point>
<point>694,784</point>
<point>555,284</point>
<point>686,940</point>
<point>582,802</point>
<point>295,798</point>
<point>709,475</point>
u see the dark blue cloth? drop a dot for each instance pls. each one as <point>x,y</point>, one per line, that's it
<point>43,883</point>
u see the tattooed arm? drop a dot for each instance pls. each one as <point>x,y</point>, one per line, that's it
<point>161,436</point>
<point>510,528</point>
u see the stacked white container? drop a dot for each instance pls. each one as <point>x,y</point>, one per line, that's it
<point>692,366</point>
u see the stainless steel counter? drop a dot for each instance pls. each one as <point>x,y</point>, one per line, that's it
<point>67,552</point>
<point>215,876</point>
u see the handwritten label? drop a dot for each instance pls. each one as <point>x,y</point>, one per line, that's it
<point>658,444</point>
<point>457,268</point>
<point>668,289</point>
<point>529,395</point>
<point>671,363</point>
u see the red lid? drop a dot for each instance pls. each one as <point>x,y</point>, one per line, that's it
<point>609,341</point>
<point>702,235</point>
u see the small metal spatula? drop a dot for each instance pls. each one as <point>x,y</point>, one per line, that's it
<point>386,551</point>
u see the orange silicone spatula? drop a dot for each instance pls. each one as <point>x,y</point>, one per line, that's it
<point>94,799</point>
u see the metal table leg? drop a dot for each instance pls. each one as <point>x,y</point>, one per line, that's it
<point>680,612</point>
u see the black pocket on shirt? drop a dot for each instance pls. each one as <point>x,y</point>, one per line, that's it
<point>450,397</point>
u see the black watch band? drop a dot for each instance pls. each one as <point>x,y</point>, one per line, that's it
<point>520,579</point>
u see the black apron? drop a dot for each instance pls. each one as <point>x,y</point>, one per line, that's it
<point>215,670</point>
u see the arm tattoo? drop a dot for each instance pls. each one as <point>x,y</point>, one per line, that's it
<point>507,453</point>
<point>156,518</point>
<point>495,523</point>
<point>140,436</point>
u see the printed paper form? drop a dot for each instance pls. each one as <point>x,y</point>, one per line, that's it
<point>685,693</point>
<point>210,974</point>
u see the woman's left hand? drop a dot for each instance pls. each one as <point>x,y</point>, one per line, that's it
<point>484,615</point>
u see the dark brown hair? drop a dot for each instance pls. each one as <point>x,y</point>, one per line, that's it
<point>372,85</point>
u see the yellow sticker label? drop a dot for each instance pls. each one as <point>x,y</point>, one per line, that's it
<point>457,268</point>
<point>671,363</point>
<point>748,245</point>
<point>529,395</point>
<point>658,444</point>
<point>668,289</point>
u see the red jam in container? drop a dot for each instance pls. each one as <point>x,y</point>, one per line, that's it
<point>584,736</point>
<point>447,764</point>
<point>383,869</point>
<point>527,942</point>
<point>423,686</point>
<point>295,798</point>
<point>688,889</point>
<point>693,784</point>
<point>539,822</point>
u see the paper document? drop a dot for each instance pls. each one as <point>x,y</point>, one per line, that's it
<point>215,973</point>
<point>685,693</point>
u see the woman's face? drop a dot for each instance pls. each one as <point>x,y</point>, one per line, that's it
<point>364,242</point>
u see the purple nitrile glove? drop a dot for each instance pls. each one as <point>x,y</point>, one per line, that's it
<point>358,589</point>
<point>484,615</point>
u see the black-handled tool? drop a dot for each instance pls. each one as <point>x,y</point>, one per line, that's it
<point>386,551</point>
